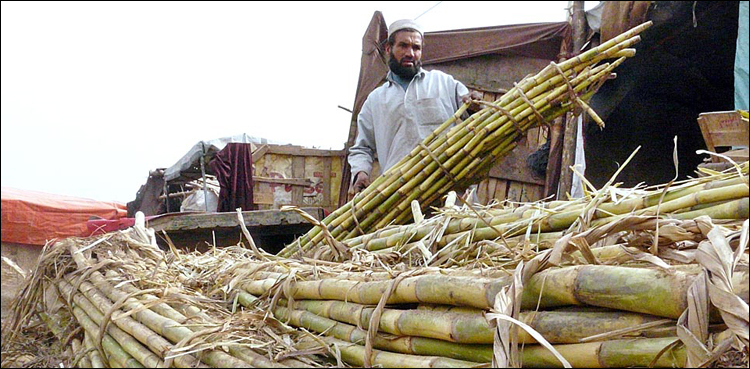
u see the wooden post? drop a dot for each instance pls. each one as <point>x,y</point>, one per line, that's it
<point>552,178</point>
<point>569,139</point>
<point>298,171</point>
<point>203,176</point>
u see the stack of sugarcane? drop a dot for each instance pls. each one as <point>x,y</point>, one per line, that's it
<point>592,315</point>
<point>595,298</point>
<point>455,235</point>
<point>649,254</point>
<point>91,294</point>
<point>454,157</point>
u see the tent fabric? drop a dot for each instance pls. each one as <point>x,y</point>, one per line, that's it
<point>372,71</point>
<point>620,16</point>
<point>233,169</point>
<point>534,40</point>
<point>33,218</point>
<point>187,167</point>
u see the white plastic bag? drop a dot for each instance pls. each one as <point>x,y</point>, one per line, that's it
<point>196,202</point>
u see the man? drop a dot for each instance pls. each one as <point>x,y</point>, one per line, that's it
<point>411,104</point>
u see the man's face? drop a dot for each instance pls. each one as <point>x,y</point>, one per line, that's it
<point>405,54</point>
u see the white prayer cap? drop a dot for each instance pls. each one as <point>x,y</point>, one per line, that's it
<point>403,24</point>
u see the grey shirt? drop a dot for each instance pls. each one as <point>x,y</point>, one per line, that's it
<point>393,121</point>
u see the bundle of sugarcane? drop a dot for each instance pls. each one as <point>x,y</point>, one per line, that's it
<point>132,305</point>
<point>90,293</point>
<point>622,231</point>
<point>441,315</point>
<point>453,158</point>
<point>722,196</point>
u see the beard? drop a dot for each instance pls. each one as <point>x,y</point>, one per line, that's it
<point>406,73</point>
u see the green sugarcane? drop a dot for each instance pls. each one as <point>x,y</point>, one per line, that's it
<point>133,328</point>
<point>134,348</point>
<point>116,354</point>
<point>526,86</point>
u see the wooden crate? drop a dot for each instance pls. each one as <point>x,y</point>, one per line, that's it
<point>724,129</point>
<point>296,175</point>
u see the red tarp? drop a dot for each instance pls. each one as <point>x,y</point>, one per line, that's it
<point>32,217</point>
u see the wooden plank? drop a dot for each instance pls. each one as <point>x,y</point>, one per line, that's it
<point>265,198</point>
<point>723,129</point>
<point>482,191</point>
<point>553,161</point>
<point>298,171</point>
<point>532,192</point>
<point>188,221</point>
<point>491,186</point>
<point>303,151</point>
<point>327,182</point>
<point>726,128</point>
<point>259,152</point>
<point>304,182</point>
<point>500,192</point>
<point>513,167</point>
<point>532,137</point>
<point>515,191</point>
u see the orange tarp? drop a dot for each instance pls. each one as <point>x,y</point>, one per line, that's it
<point>32,217</point>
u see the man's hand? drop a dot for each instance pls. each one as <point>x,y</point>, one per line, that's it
<point>361,181</point>
<point>473,95</point>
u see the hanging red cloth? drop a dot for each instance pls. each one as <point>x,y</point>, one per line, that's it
<point>233,167</point>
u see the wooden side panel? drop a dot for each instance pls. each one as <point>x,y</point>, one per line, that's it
<point>482,191</point>
<point>305,177</point>
<point>298,171</point>
<point>532,192</point>
<point>515,191</point>
<point>501,189</point>
<point>326,183</point>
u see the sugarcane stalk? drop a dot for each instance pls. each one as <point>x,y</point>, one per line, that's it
<point>81,359</point>
<point>116,354</point>
<point>638,352</point>
<point>473,327</point>
<point>131,327</point>
<point>640,290</point>
<point>129,344</point>
<point>242,353</point>
<point>165,327</point>
<point>93,353</point>
<point>454,290</point>
<point>403,344</point>
<point>354,354</point>
<point>735,209</point>
<point>649,291</point>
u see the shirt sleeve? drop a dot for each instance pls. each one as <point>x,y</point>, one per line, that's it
<point>461,90</point>
<point>362,153</point>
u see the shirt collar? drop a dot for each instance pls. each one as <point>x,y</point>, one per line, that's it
<point>419,74</point>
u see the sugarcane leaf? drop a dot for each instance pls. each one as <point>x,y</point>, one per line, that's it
<point>643,256</point>
<point>692,326</point>
<point>716,256</point>
<point>680,256</point>
<point>740,250</point>
<point>533,333</point>
<point>417,212</point>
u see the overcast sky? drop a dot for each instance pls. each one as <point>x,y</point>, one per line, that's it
<point>96,94</point>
